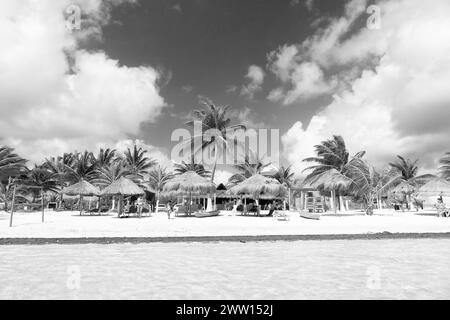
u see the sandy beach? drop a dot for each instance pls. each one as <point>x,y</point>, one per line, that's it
<point>71,225</point>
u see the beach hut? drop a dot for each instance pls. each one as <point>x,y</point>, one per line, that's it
<point>258,187</point>
<point>122,187</point>
<point>434,189</point>
<point>82,188</point>
<point>189,184</point>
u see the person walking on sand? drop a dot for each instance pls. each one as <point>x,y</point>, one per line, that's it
<point>442,210</point>
<point>169,209</point>
<point>140,205</point>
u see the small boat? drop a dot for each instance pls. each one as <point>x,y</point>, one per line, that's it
<point>206,214</point>
<point>309,215</point>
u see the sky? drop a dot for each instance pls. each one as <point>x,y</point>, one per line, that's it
<point>375,72</point>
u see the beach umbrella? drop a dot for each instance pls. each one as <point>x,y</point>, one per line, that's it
<point>435,188</point>
<point>122,187</point>
<point>189,183</point>
<point>259,186</point>
<point>82,188</point>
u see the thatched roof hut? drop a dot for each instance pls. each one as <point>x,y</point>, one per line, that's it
<point>435,188</point>
<point>123,186</point>
<point>259,186</point>
<point>189,183</point>
<point>82,188</point>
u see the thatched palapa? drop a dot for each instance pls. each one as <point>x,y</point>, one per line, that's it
<point>82,188</point>
<point>259,186</point>
<point>123,186</point>
<point>435,188</point>
<point>189,183</point>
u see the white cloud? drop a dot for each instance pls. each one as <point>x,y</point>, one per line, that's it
<point>48,105</point>
<point>256,76</point>
<point>399,105</point>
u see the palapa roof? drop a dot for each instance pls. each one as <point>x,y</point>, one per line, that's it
<point>436,187</point>
<point>82,188</point>
<point>188,183</point>
<point>258,185</point>
<point>123,186</point>
<point>330,180</point>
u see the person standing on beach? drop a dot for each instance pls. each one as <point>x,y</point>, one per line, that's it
<point>169,209</point>
<point>140,204</point>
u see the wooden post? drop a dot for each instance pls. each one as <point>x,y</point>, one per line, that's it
<point>12,207</point>
<point>332,202</point>
<point>81,204</point>
<point>120,208</point>
<point>42,203</point>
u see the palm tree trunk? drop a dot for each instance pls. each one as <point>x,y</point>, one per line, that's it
<point>209,206</point>
<point>12,207</point>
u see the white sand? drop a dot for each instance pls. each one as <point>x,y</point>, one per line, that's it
<point>71,225</point>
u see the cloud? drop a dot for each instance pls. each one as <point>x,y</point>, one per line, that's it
<point>397,103</point>
<point>230,89</point>
<point>309,4</point>
<point>177,8</point>
<point>247,117</point>
<point>256,76</point>
<point>187,88</point>
<point>304,69</point>
<point>56,97</point>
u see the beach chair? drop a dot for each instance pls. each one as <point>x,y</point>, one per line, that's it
<point>281,216</point>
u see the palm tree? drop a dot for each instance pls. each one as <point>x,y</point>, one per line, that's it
<point>409,169</point>
<point>331,155</point>
<point>11,165</point>
<point>108,174</point>
<point>285,176</point>
<point>247,170</point>
<point>157,178</point>
<point>39,180</point>
<point>137,162</point>
<point>215,118</point>
<point>82,168</point>
<point>444,169</point>
<point>366,184</point>
<point>183,167</point>
<point>105,158</point>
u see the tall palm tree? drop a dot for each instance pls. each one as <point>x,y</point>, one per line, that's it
<point>444,169</point>
<point>157,179</point>
<point>285,176</point>
<point>332,155</point>
<point>214,117</point>
<point>409,169</point>
<point>137,162</point>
